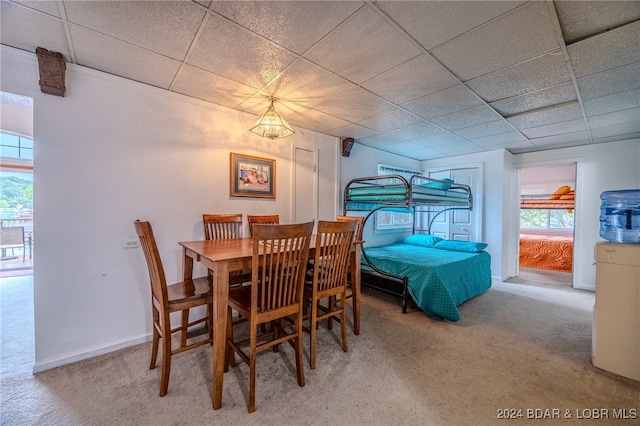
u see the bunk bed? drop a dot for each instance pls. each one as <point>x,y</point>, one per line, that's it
<point>546,251</point>
<point>438,275</point>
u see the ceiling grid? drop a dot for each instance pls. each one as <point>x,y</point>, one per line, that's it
<point>420,79</point>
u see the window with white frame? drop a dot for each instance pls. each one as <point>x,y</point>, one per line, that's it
<point>391,221</point>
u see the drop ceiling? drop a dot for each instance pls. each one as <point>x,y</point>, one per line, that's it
<point>422,79</point>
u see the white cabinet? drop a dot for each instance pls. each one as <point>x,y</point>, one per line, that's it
<point>616,314</point>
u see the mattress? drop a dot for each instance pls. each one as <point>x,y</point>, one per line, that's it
<point>550,252</point>
<point>439,280</point>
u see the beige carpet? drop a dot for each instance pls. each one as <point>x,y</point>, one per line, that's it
<point>518,346</point>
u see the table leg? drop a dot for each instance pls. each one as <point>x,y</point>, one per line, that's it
<point>187,265</point>
<point>220,303</point>
<point>355,288</point>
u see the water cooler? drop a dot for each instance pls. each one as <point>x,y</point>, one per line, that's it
<point>616,314</point>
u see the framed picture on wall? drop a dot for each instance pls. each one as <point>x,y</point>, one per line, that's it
<point>252,176</point>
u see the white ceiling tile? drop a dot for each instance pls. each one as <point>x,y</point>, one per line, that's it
<point>25,29</point>
<point>539,73</point>
<point>432,23</point>
<point>557,114</point>
<point>554,95</point>
<point>352,130</point>
<point>426,154</point>
<point>309,118</point>
<point>380,140</point>
<point>278,20</point>
<point>237,54</point>
<point>390,119</point>
<point>616,132</point>
<point>572,126</point>
<point>631,115</point>
<point>439,139</point>
<point>210,87</point>
<point>418,130</point>
<point>579,19</point>
<point>520,35</point>
<point>611,103</point>
<point>355,105</point>
<point>609,82</point>
<point>138,22</point>
<point>468,117</point>
<point>403,148</point>
<point>48,7</point>
<point>97,51</point>
<point>458,148</point>
<point>308,84</point>
<point>411,80</point>
<point>486,129</point>
<point>512,138</point>
<point>517,146</point>
<point>447,101</point>
<point>605,51</point>
<point>617,137</point>
<point>567,138</point>
<point>380,47</point>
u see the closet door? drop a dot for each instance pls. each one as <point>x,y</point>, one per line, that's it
<point>461,225</point>
<point>306,186</point>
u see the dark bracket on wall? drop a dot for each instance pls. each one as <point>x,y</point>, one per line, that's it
<point>52,72</point>
<point>347,144</point>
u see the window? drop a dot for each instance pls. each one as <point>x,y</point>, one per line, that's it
<point>546,219</point>
<point>390,221</point>
<point>13,146</point>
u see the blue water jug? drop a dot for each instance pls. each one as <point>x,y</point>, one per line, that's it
<point>620,216</point>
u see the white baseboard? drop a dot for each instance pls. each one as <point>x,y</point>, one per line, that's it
<point>71,358</point>
<point>585,287</point>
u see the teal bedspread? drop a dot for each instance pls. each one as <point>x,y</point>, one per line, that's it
<point>439,280</point>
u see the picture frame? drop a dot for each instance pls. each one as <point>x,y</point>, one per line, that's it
<point>252,176</point>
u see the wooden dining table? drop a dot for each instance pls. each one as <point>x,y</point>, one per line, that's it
<point>224,256</point>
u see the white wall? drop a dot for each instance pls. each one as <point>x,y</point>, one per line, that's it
<point>112,151</point>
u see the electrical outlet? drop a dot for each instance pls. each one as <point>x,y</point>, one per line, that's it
<point>130,243</point>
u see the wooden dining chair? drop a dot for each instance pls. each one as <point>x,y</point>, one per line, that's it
<point>272,219</point>
<point>222,226</point>
<point>329,279</point>
<point>165,299</point>
<point>226,227</point>
<point>357,240</point>
<point>280,254</point>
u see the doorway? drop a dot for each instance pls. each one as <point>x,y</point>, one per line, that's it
<point>546,226</point>
<point>16,185</point>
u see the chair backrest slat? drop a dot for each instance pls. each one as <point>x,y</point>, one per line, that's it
<point>280,254</point>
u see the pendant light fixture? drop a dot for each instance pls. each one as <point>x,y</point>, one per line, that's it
<point>271,125</point>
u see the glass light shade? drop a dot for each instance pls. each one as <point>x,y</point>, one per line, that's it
<point>271,125</point>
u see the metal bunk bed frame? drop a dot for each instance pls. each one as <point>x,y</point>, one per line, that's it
<point>398,285</point>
